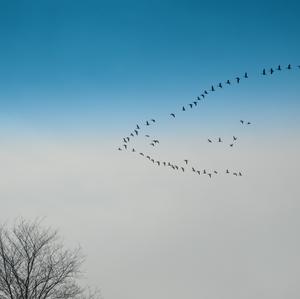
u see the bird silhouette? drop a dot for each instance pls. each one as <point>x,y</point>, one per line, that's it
<point>133,150</point>
<point>212,88</point>
<point>153,120</point>
<point>248,123</point>
<point>131,134</point>
<point>246,75</point>
<point>148,157</point>
<point>271,71</point>
<point>241,121</point>
<point>215,172</point>
<point>158,163</point>
<point>147,123</point>
<point>264,72</point>
<point>172,114</point>
<point>138,127</point>
<point>142,154</point>
<point>164,163</point>
<point>183,109</point>
<point>191,105</point>
<point>205,92</point>
<point>220,140</point>
<point>155,141</point>
<point>128,139</point>
<point>279,68</point>
<point>147,136</point>
<point>289,67</point>
<point>125,140</point>
<point>235,173</point>
<point>234,138</point>
<point>199,172</point>
<point>198,99</point>
<point>202,95</point>
<point>195,103</point>
<point>186,161</point>
<point>136,132</point>
<point>228,82</point>
<point>240,174</point>
<point>193,169</point>
<point>204,171</point>
<point>125,146</point>
<point>119,149</point>
<point>220,85</point>
<point>209,174</point>
<point>238,79</point>
<point>182,168</point>
<point>231,144</point>
<point>152,144</point>
<point>227,171</point>
<point>209,140</point>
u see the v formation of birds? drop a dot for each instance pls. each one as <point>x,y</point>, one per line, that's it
<point>186,165</point>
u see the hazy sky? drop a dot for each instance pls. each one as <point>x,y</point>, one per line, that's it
<point>77,76</point>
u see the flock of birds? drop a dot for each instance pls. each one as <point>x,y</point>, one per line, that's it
<point>186,165</point>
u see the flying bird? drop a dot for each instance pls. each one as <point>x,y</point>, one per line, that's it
<point>172,114</point>
<point>228,82</point>
<point>202,95</point>
<point>155,141</point>
<point>248,123</point>
<point>241,121</point>
<point>147,135</point>
<point>147,123</point>
<point>136,132</point>
<point>205,92</point>
<point>220,85</point>
<point>215,172</point>
<point>133,150</point>
<point>125,146</point>
<point>191,105</point>
<point>231,144</point>
<point>186,161</point>
<point>234,138</point>
<point>289,67</point>
<point>279,68</point>
<point>152,144</point>
<point>235,173</point>
<point>271,71</point>
<point>212,88</point>
<point>238,79</point>
<point>198,99</point>
<point>138,127</point>
<point>142,154</point>
<point>209,174</point>
<point>182,168</point>
<point>195,103</point>
<point>264,72</point>
<point>246,75</point>
<point>125,140</point>
<point>227,171</point>
<point>131,134</point>
<point>183,109</point>
<point>209,140</point>
<point>153,120</point>
<point>220,140</point>
<point>240,174</point>
<point>119,149</point>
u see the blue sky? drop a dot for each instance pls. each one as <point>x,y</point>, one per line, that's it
<point>95,65</point>
<point>76,77</point>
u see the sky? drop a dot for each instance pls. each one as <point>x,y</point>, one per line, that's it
<point>75,79</point>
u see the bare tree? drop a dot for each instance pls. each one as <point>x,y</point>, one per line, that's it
<point>35,265</point>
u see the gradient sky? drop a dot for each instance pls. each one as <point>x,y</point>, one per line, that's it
<point>77,76</point>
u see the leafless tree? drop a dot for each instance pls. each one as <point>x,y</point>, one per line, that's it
<point>35,265</point>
